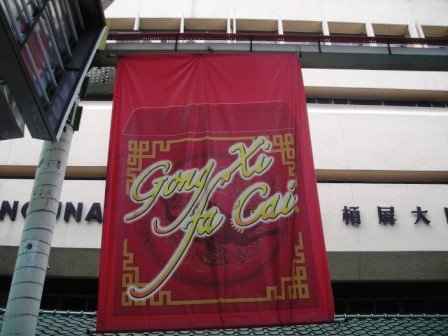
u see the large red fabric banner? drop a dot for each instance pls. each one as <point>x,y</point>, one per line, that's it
<point>212,217</point>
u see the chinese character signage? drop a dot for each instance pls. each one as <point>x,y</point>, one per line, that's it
<point>211,215</point>
<point>386,215</point>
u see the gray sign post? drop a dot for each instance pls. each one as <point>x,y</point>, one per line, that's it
<point>25,295</point>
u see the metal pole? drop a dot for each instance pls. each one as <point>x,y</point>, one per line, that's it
<point>25,295</point>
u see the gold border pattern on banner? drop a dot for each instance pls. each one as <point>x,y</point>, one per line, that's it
<point>294,287</point>
<point>138,150</point>
<point>130,275</point>
<point>284,144</point>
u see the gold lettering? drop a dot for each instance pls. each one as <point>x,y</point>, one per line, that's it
<point>244,154</point>
<point>197,183</point>
<point>148,199</point>
<point>278,205</point>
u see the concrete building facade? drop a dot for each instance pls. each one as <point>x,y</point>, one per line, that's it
<point>379,137</point>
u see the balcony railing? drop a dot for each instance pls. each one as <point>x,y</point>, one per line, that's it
<point>285,38</point>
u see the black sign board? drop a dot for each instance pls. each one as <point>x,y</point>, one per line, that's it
<point>46,47</point>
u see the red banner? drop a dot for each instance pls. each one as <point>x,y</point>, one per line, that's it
<point>211,216</point>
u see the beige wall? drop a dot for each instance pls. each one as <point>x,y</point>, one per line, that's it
<point>402,12</point>
<point>347,137</point>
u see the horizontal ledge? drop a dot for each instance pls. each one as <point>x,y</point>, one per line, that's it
<point>382,176</point>
<point>72,172</point>
<point>312,56</point>
<point>323,175</point>
<point>375,93</point>
<point>105,93</point>
<point>269,37</point>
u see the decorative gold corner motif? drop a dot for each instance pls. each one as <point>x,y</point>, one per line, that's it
<point>129,276</point>
<point>299,287</point>
<point>294,287</point>
<point>137,152</point>
<point>284,144</point>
